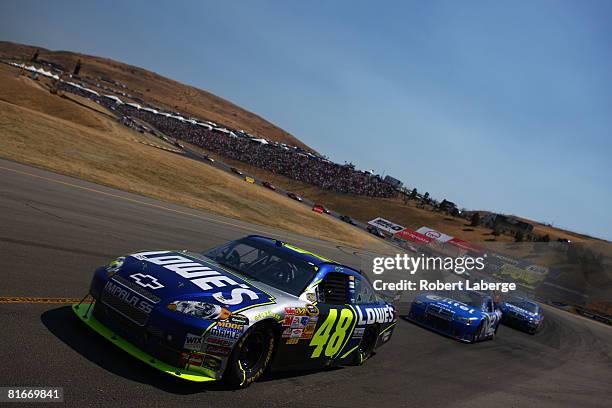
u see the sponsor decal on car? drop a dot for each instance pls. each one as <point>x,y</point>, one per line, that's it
<point>308,331</point>
<point>220,342</point>
<point>221,351</point>
<point>267,313</point>
<point>146,281</point>
<point>193,342</point>
<point>203,275</point>
<point>238,319</point>
<point>370,315</point>
<point>127,296</point>
<point>226,330</point>
<point>358,332</point>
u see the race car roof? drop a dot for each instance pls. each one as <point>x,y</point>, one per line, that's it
<point>306,255</point>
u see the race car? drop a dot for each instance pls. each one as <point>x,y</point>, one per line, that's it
<point>522,314</point>
<point>236,171</point>
<point>269,185</point>
<point>294,196</point>
<point>347,219</point>
<point>375,231</point>
<point>237,310</point>
<point>320,209</point>
<point>468,316</point>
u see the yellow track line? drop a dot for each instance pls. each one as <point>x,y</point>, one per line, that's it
<point>44,300</point>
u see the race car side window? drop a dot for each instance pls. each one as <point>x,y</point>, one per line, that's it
<point>333,289</point>
<point>490,307</point>
<point>364,293</point>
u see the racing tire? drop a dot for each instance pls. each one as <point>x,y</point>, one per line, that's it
<point>365,350</point>
<point>251,356</point>
<point>478,332</point>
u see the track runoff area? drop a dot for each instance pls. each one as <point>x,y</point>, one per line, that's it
<point>56,230</point>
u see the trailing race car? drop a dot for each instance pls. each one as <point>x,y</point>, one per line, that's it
<point>234,311</point>
<point>236,171</point>
<point>347,219</point>
<point>522,314</point>
<point>375,231</point>
<point>320,209</point>
<point>294,196</point>
<point>467,316</point>
<point>269,185</point>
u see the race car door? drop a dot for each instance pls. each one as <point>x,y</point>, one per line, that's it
<point>321,332</point>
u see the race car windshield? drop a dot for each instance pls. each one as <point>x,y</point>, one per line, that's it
<point>469,298</point>
<point>530,307</point>
<point>266,264</point>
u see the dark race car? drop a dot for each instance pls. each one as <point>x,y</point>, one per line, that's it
<point>267,184</point>
<point>236,171</point>
<point>375,231</point>
<point>294,196</point>
<point>468,316</point>
<point>236,310</point>
<point>347,219</point>
<point>522,314</point>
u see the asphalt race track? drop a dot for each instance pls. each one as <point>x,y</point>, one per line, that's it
<point>55,230</point>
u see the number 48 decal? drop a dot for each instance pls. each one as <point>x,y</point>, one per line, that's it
<point>329,337</point>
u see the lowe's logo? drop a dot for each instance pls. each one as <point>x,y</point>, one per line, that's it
<point>146,281</point>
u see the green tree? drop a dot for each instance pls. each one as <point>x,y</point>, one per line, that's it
<point>413,194</point>
<point>475,221</point>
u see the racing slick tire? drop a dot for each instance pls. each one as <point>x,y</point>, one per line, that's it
<point>478,332</point>
<point>251,356</point>
<point>365,350</point>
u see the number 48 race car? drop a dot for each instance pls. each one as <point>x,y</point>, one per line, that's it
<point>237,310</point>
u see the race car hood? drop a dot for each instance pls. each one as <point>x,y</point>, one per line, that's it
<point>518,310</point>
<point>174,275</point>
<point>456,307</point>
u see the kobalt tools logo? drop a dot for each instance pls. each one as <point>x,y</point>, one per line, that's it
<point>129,298</point>
<point>147,281</point>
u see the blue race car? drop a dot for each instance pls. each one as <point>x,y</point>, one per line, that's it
<point>522,314</point>
<point>468,316</point>
<point>236,310</point>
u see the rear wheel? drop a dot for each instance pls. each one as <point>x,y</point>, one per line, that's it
<point>367,345</point>
<point>251,356</point>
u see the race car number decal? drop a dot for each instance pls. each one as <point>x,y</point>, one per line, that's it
<point>330,336</point>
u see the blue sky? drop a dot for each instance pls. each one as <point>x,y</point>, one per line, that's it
<point>504,107</point>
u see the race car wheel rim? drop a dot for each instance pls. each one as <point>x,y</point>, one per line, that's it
<point>252,351</point>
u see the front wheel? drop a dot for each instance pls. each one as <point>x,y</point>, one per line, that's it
<point>251,356</point>
<point>478,332</point>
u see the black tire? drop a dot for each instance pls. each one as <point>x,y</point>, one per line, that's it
<point>251,356</point>
<point>367,345</point>
<point>478,332</point>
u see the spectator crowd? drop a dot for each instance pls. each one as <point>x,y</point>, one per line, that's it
<point>278,158</point>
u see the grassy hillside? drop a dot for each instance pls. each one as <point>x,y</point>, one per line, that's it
<point>68,136</point>
<point>158,90</point>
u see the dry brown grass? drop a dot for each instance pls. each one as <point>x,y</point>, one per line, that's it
<point>174,95</point>
<point>159,90</point>
<point>366,208</point>
<point>55,133</point>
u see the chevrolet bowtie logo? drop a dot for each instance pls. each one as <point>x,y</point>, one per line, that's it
<point>146,281</point>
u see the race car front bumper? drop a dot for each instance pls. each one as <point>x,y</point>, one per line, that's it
<point>190,373</point>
